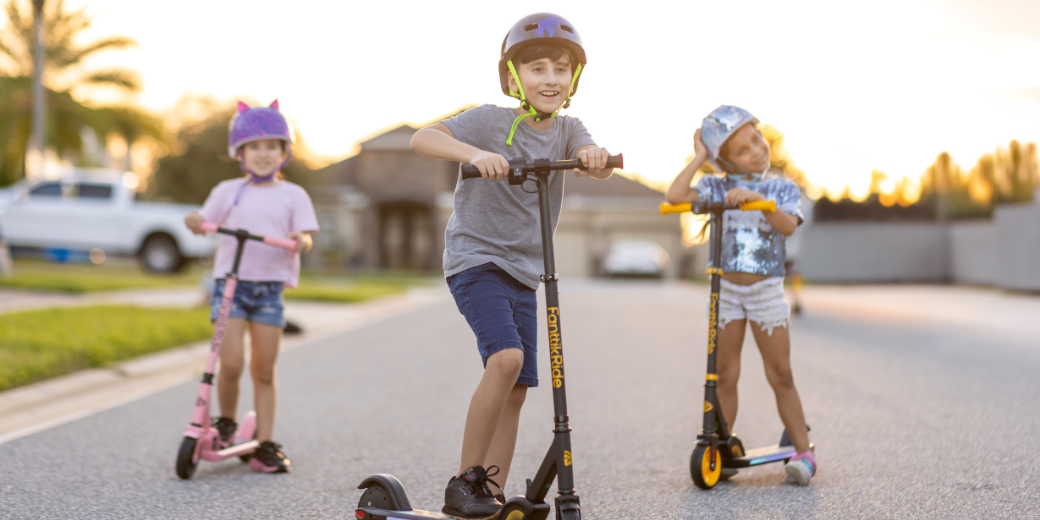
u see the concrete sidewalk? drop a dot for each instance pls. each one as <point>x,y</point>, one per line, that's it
<point>36,407</point>
<point>14,300</point>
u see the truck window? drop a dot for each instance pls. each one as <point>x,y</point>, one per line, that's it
<point>94,191</point>
<point>46,189</point>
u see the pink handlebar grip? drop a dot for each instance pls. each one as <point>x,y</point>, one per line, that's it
<point>209,227</point>
<point>281,242</point>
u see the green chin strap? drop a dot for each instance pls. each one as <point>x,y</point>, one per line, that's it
<point>524,103</point>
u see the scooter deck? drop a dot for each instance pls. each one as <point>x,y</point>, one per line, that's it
<point>411,514</point>
<point>763,455</point>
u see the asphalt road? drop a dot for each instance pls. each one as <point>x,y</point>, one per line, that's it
<point>911,420</point>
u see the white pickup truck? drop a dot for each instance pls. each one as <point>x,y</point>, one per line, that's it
<point>96,208</point>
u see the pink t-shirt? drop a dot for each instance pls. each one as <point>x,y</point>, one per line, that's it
<point>277,210</point>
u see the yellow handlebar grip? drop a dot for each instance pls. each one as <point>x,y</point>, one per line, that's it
<point>764,205</point>
<point>667,208</point>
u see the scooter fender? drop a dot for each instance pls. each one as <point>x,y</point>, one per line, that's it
<point>194,432</point>
<point>393,489</point>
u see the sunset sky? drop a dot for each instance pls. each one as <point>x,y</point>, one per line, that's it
<point>886,85</point>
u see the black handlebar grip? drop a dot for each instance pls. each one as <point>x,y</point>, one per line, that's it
<point>616,161</point>
<point>470,172</point>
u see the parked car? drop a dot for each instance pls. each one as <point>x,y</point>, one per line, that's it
<point>635,258</point>
<point>96,208</point>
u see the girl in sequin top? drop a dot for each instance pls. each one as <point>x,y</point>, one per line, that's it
<point>753,262</point>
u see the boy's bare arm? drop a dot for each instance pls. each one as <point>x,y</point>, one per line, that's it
<point>437,142</point>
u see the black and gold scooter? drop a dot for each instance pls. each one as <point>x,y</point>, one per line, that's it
<point>717,448</point>
<point>384,497</point>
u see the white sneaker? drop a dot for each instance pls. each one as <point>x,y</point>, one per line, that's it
<point>801,467</point>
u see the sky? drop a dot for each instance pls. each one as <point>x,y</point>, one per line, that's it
<point>886,84</point>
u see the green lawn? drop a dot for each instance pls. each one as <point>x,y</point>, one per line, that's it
<point>39,344</point>
<point>352,289</point>
<point>84,278</point>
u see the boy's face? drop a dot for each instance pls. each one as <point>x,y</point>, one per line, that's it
<point>746,150</point>
<point>545,82</point>
<point>263,157</point>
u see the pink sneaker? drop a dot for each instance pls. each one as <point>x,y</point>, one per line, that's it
<point>802,467</point>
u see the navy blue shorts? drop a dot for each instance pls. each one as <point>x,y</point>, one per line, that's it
<point>258,302</point>
<point>502,312</point>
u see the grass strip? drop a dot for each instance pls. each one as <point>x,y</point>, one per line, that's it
<point>40,344</point>
<point>77,278</point>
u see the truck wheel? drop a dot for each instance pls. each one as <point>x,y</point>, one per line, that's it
<point>159,254</point>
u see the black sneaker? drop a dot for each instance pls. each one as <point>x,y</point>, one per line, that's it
<point>468,497</point>
<point>226,427</point>
<point>268,458</point>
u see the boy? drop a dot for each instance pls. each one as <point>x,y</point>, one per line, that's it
<point>492,254</point>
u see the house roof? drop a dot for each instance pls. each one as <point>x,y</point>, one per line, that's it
<point>615,186</point>
<point>397,139</point>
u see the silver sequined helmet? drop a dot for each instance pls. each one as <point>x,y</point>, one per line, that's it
<point>720,125</point>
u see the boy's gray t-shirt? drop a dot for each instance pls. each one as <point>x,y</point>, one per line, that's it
<point>497,222</point>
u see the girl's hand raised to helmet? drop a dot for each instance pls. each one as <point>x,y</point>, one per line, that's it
<point>698,145</point>
<point>741,196</point>
<point>491,165</point>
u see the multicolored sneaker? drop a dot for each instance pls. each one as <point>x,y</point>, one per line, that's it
<point>226,427</point>
<point>268,458</point>
<point>802,467</point>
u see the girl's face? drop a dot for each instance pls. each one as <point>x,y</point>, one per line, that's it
<point>263,157</point>
<point>545,82</point>
<point>746,150</point>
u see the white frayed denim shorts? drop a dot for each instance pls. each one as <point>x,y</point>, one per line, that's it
<point>761,302</point>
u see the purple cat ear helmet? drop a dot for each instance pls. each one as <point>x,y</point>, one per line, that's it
<point>256,123</point>
<point>720,125</point>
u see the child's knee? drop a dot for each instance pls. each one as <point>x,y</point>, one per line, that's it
<point>262,375</point>
<point>780,377</point>
<point>229,371</point>
<point>506,363</point>
<point>517,397</point>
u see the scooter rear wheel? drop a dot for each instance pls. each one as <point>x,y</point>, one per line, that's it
<point>186,461</point>
<point>700,467</point>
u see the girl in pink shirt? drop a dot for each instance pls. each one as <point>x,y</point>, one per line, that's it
<point>262,203</point>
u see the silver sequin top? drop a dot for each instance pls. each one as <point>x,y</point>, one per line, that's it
<point>749,242</point>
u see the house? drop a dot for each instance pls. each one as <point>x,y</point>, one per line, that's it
<point>386,208</point>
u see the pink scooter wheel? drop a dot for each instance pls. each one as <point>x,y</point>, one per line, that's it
<point>186,460</point>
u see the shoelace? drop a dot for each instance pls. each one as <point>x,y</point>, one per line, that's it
<point>480,485</point>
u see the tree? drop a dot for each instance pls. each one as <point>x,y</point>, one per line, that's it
<point>64,82</point>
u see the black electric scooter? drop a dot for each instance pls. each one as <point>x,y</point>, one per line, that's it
<point>717,448</point>
<point>384,497</point>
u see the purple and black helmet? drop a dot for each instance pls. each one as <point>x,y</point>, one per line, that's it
<point>256,123</point>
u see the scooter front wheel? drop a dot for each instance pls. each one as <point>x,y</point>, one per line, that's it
<point>704,475</point>
<point>186,461</point>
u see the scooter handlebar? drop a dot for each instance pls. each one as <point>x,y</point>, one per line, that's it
<point>614,161</point>
<point>761,205</point>
<point>284,243</point>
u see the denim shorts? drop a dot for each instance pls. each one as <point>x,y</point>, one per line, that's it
<point>502,312</point>
<point>258,302</point>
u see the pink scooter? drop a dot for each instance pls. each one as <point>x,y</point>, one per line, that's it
<point>202,441</point>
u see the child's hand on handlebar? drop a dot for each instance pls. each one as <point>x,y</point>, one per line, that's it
<point>741,196</point>
<point>194,222</point>
<point>304,242</point>
<point>491,165</point>
<point>594,158</point>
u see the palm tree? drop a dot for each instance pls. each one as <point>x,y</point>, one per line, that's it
<point>67,114</point>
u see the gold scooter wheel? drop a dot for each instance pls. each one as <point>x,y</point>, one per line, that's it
<point>701,468</point>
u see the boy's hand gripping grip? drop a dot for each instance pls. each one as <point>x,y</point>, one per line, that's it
<point>614,161</point>
<point>284,243</point>
<point>761,205</point>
